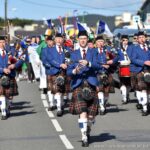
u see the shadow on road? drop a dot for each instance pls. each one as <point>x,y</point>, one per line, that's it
<point>115,110</point>
<point>21,105</point>
<point>102,138</point>
<point>22,113</point>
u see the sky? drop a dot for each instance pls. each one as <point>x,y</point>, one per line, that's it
<point>51,9</point>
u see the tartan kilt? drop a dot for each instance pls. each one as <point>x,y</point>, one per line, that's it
<point>67,86</point>
<point>125,81</point>
<point>107,89</point>
<point>4,91</point>
<point>13,87</point>
<point>52,86</point>
<point>77,106</point>
<point>138,83</point>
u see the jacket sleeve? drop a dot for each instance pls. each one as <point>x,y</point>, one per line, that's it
<point>44,58</point>
<point>135,60</point>
<point>19,63</point>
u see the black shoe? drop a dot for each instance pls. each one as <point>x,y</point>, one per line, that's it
<point>3,117</point>
<point>102,112</point>
<point>59,113</point>
<point>124,102</point>
<point>85,143</point>
<point>144,113</point>
<point>138,106</point>
<point>51,108</point>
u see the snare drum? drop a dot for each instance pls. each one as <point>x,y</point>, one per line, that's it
<point>124,71</point>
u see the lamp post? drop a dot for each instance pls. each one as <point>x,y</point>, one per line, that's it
<point>5,18</point>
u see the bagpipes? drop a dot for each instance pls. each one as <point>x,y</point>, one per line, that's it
<point>146,77</point>
<point>85,93</point>
<point>11,59</point>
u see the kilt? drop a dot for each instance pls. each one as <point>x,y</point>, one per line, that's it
<point>138,83</point>
<point>109,88</point>
<point>13,87</point>
<point>78,106</point>
<point>125,81</point>
<point>4,91</point>
<point>53,87</point>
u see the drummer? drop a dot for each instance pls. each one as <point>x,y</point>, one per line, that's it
<point>124,54</point>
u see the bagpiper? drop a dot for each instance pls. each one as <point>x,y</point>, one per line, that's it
<point>84,84</point>
<point>140,75</point>
<point>8,85</point>
<point>54,61</point>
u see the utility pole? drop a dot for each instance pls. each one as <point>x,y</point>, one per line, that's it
<point>5,18</point>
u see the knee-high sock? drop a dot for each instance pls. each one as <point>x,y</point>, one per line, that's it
<point>3,105</point>
<point>123,90</point>
<point>138,96</point>
<point>101,100</point>
<point>144,99</point>
<point>70,96</point>
<point>50,98</point>
<point>83,127</point>
<point>59,101</point>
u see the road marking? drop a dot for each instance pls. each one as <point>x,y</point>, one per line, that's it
<point>50,114</point>
<point>56,125</point>
<point>58,128</point>
<point>45,103</point>
<point>66,142</point>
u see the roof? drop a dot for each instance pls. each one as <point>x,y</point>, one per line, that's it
<point>129,32</point>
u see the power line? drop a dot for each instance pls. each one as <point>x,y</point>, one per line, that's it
<point>83,6</point>
<point>88,6</point>
<point>48,5</point>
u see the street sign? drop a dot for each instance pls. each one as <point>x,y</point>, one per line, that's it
<point>136,18</point>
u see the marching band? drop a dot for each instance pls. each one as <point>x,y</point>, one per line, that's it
<point>80,76</point>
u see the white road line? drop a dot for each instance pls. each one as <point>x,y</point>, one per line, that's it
<point>66,142</point>
<point>50,114</point>
<point>45,103</point>
<point>56,125</point>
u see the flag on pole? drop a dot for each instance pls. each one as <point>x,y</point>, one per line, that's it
<point>80,27</point>
<point>60,29</point>
<point>49,23</point>
<point>103,28</point>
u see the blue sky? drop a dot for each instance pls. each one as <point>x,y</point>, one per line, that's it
<point>39,9</point>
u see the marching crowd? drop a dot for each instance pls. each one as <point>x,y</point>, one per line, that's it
<point>78,73</point>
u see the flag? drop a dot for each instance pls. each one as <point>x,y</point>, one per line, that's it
<point>49,23</point>
<point>103,28</point>
<point>60,29</point>
<point>80,27</point>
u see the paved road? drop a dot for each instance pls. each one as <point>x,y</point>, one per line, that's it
<point>31,127</point>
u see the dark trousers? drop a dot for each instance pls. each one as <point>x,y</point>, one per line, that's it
<point>30,71</point>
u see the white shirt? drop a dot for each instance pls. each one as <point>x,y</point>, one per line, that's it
<point>57,47</point>
<point>1,51</point>
<point>145,45</point>
<point>102,50</point>
<point>81,50</point>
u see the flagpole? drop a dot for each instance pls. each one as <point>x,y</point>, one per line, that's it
<point>74,22</point>
<point>66,21</point>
